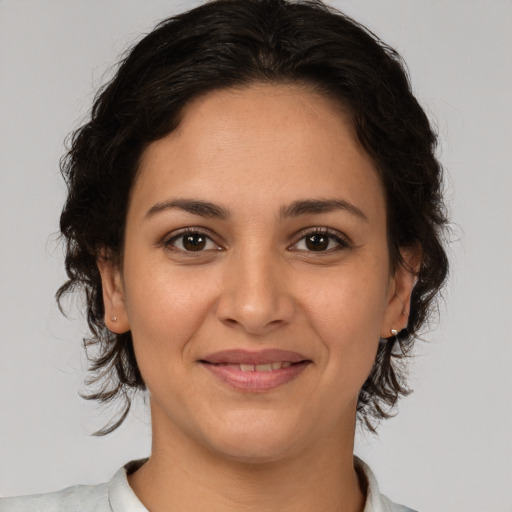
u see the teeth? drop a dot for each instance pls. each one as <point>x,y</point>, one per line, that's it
<point>264,367</point>
<point>267,367</point>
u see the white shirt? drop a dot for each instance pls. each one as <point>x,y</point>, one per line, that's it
<point>118,496</point>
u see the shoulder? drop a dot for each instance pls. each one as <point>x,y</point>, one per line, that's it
<point>79,498</point>
<point>113,496</point>
<point>389,506</point>
<point>375,501</point>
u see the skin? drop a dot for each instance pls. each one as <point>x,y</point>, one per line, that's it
<point>256,284</point>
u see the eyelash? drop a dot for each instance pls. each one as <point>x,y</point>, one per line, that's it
<point>169,242</point>
<point>342,242</point>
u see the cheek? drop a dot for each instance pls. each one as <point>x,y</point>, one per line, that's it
<point>165,310</point>
<point>346,312</point>
<point>347,302</point>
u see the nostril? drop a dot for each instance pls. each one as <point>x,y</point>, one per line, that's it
<point>230,321</point>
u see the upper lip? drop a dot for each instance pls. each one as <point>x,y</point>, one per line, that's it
<point>253,357</point>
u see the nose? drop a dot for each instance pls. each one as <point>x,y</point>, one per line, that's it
<point>255,296</point>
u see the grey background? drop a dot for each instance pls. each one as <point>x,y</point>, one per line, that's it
<point>449,449</point>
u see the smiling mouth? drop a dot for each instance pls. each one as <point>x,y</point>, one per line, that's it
<point>267,367</point>
<point>255,377</point>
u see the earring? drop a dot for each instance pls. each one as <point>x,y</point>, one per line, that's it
<point>394,332</point>
<point>113,318</point>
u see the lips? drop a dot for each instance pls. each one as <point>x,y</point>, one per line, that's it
<point>266,367</point>
<point>255,371</point>
<point>267,356</point>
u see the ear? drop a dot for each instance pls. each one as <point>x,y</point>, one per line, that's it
<point>399,293</point>
<point>116,318</point>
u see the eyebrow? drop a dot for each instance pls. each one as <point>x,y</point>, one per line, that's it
<point>308,206</point>
<point>196,207</point>
<point>295,209</point>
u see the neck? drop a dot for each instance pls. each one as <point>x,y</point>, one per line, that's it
<point>183,475</point>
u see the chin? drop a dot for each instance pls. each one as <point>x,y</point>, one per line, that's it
<point>257,441</point>
<point>258,451</point>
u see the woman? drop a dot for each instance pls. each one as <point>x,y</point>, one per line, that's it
<point>254,214</point>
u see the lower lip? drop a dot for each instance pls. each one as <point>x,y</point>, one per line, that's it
<point>255,381</point>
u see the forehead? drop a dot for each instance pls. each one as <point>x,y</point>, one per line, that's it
<point>259,143</point>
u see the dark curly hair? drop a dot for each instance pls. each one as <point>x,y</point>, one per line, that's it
<point>229,43</point>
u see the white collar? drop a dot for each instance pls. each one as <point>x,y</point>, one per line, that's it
<point>123,499</point>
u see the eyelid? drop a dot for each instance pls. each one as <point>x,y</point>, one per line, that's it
<point>174,235</point>
<point>343,240</point>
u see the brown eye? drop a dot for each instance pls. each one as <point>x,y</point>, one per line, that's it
<point>321,240</point>
<point>191,241</point>
<point>194,242</point>
<point>317,242</point>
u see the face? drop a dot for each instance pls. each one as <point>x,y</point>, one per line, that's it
<point>256,277</point>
